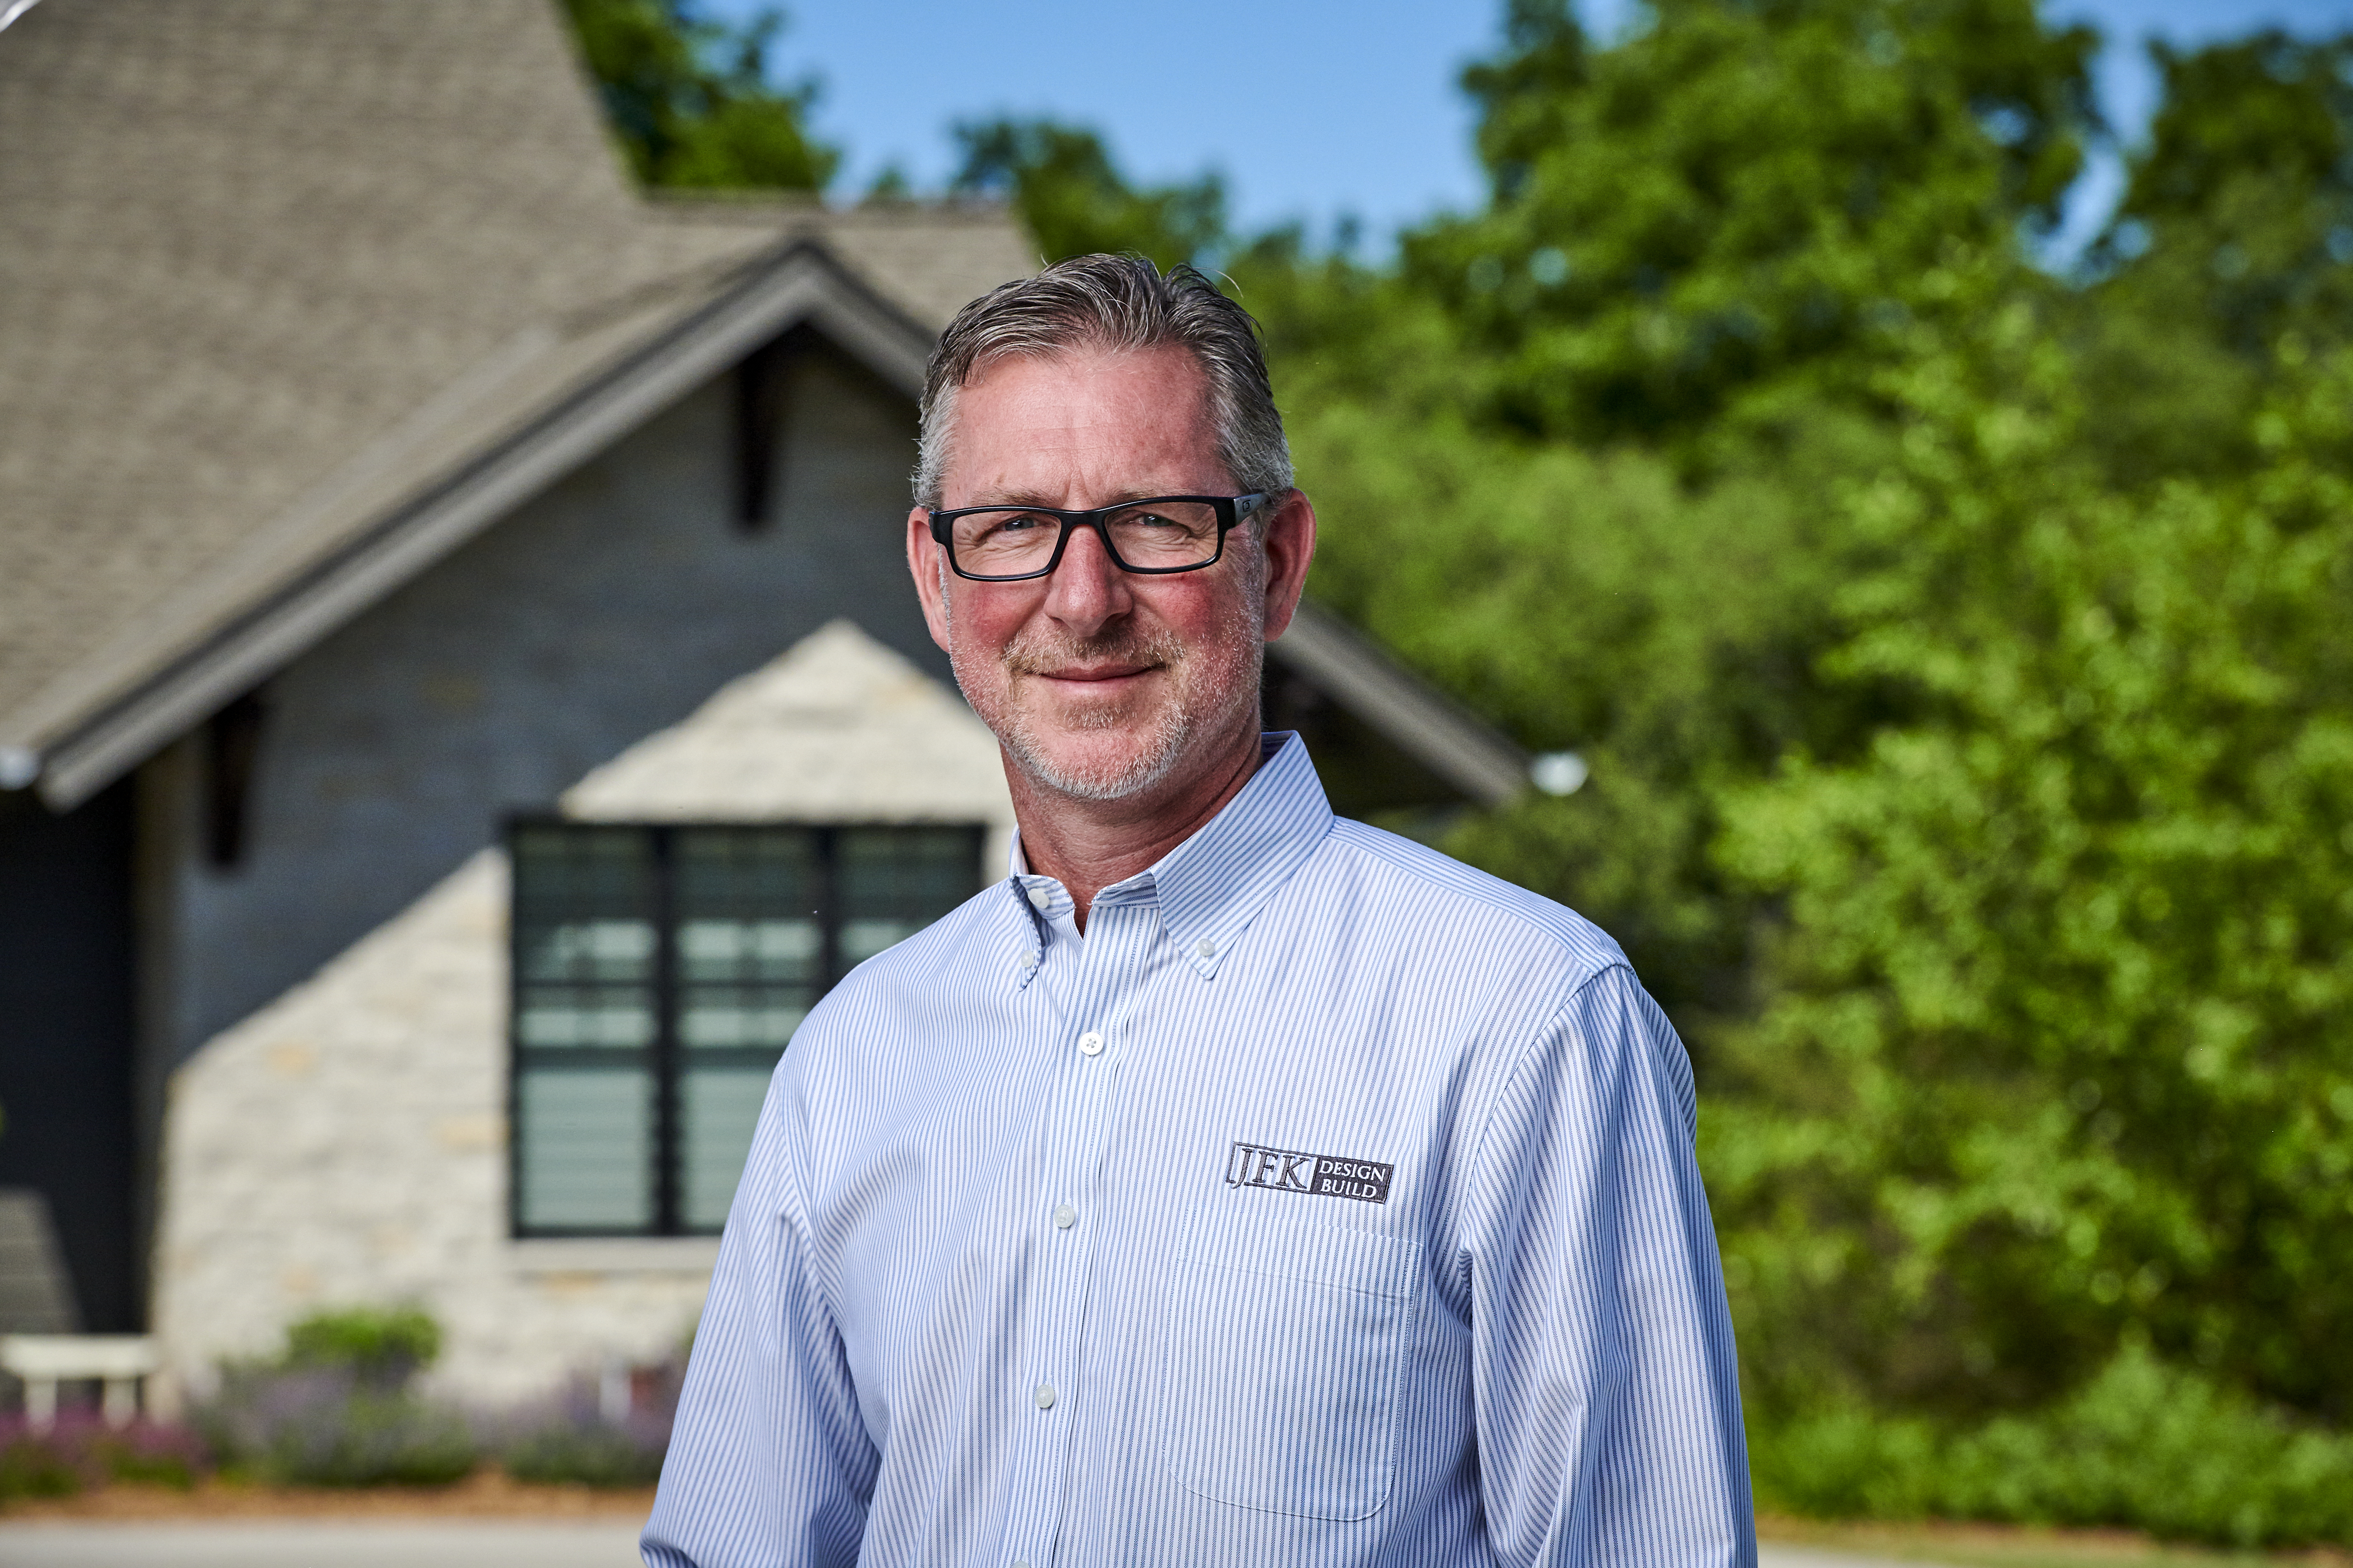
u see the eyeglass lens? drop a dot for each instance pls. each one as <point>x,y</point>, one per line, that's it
<point>1012,542</point>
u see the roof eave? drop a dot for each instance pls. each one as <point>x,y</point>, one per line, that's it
<point>1449,739</point>
<point>798,283</point>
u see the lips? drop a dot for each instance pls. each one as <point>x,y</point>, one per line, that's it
<point>1105,663</point>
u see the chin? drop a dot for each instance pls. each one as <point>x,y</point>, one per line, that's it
<point>1104,763</point>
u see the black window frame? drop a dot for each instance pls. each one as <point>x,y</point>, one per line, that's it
<point>667,1052</point>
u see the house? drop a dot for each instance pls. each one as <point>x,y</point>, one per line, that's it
<point>460,702</point>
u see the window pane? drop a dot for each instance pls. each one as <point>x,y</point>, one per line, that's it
<point>589,870</point>
<point>661,972</point>
<point>718,1108</point>
<point>713,1015</point>
<point>750,949</point>
<point>758,870</point>
<point>583,937</point>
<point>587,1148</point>
<point>895,881</point>
<point>585,1023</point>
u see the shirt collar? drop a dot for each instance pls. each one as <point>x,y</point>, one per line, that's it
<point>1214,884</point>
<point>1210,887</point>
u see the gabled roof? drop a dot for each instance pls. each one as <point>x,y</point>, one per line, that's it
<point>295,297</point>
<point>1465,751</point>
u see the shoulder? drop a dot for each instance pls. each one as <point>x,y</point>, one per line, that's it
<point>886,1023</point>
<point>1465,907</point>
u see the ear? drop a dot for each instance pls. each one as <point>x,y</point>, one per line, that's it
<point>1290,545</point>
<point>924,563</point>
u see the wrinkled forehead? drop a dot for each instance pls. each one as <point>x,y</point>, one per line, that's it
<point>1131,419</point>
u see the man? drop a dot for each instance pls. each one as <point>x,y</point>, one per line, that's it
<point>1231,1184</point>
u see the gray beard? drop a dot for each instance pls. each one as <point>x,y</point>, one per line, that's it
<point>1173,728</point>
<point>1150,763</point>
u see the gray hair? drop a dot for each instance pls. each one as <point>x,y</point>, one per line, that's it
<point>1121,303</point>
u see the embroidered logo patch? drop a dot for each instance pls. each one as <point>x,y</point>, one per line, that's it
<point>1317,1175</point>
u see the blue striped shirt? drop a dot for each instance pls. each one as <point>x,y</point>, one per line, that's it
<point>1327,1203</point>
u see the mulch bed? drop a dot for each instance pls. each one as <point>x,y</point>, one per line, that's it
<point>486,1494</point>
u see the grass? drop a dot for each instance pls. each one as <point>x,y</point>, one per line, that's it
<point>2016,1546</point>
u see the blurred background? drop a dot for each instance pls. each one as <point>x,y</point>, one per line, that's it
<point>1888,464</point>
<point>1902,449</point>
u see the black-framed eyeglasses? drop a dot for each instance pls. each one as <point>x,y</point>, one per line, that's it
<point>1156,535</point>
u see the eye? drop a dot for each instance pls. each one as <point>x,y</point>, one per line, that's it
<point>1011,523</point>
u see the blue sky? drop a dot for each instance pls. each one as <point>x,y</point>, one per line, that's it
<point>1311,109</point>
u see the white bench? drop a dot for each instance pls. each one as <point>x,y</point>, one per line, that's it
<point>44,1361</point>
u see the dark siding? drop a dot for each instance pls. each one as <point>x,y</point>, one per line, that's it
<point>66,1037</point>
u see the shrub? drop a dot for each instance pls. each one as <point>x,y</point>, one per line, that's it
<point>334,1409</point>
<point>571,1440</point>
<point>79,1450</point>
<point>382,1347</point>
<point>2143,1444</point>
<point>146,1451</point>
<point>595,1453</point>
<point>34,1464</point>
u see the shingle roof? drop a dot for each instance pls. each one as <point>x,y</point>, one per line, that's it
<point>270,269</point>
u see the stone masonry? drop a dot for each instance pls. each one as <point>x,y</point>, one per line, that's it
<point>346,1143</point>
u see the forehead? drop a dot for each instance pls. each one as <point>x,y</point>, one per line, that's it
<point>1085,419</point>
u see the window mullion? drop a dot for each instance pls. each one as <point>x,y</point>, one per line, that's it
<point>668,1154</point>
<point>828,909</point>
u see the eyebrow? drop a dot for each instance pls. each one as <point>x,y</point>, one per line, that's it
<point>1036,499</point>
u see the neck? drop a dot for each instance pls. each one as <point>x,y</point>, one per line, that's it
<point>1087,845</point>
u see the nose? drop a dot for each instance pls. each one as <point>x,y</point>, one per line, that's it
<point>1088,588</point>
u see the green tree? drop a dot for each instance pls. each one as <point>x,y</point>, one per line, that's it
<point>1572,453</point>
<point>1957,650</point>
<point>2236,229</point>
<point>2058,1052</point>
<point>2246,186</point>
<point>690,101</point>
<point>1075,200</point>
<point>1739,197</point>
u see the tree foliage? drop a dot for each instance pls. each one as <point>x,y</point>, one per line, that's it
<point>1961,655</point>
<point>1739,198</point>
<point>690,98</point>
<point>2236,231</point>
<point>1964,657</point>
<point>1075,200</point>
<point>2059,1044</point>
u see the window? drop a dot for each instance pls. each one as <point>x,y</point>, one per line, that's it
<point>659,973</point>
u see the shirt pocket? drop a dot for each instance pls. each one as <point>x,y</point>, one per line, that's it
<point>1286,1344</point>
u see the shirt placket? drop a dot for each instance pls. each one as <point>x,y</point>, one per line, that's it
<point>1092,980</point>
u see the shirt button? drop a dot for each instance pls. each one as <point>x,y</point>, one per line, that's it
<point>1044,1395</point>
<point>1207,947</point>
<point>1040,898</point>
<point>1065,1217</point>
<point>1091,1043</point>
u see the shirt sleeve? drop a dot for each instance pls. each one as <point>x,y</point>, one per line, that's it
<point>1607,1388</point>
<point>769,1464</point>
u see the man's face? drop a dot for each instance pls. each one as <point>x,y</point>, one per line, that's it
<point>1100,684</point>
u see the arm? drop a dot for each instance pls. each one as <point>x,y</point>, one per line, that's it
<point>1608,1393</point>
<point>769,1464</point>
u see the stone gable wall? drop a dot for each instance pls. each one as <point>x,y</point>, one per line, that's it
<point>341,1139</point>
